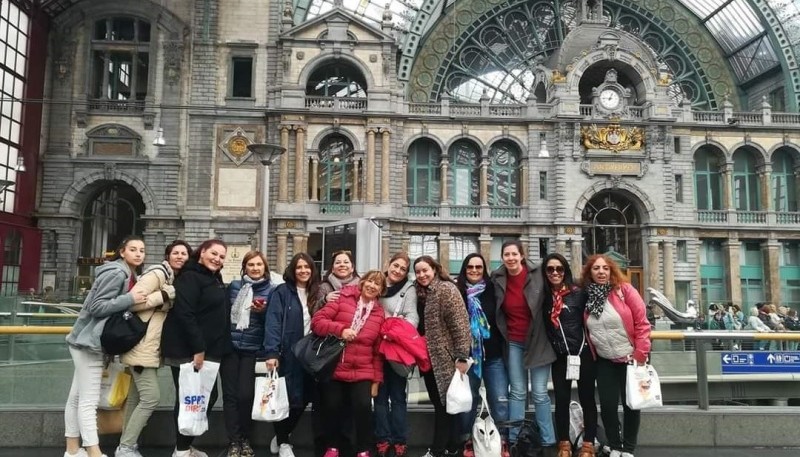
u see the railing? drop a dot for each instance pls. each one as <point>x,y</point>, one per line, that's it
<point>336,103</point>
<point>334,208</point>
<point>424,108</point>
<point>788,218</point>
<point>424,210</point>
<point>505,110</point>
<point>506,212</point>
<point>708,116</point>
<point>749,118</point>
<point>465,211</point>
<point>116,106</point>
<point>586,110</point>
<point>465,109</point>
<point>636,112</point>
<point>712,216</point>
<point>751,217</point>
<point>786,118</point>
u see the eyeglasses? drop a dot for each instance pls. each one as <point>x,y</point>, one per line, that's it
<point>474,267</point>
<point>556,270</point>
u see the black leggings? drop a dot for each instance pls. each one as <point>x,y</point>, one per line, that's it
<point>238,389</point>
<point>611,388</point>
<point>445,429</point>
<point>563,394</point>
<point>183,442</point>
<point>355,397</point>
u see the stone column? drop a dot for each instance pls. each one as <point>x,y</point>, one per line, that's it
<point>669,270</point>
<point>300,189</point>
<point>386,254</point>
<point>444,181</point>
<point>733,278</point>
<point>280,253</point>
<point>297,243</point>
<point>405,181</point>
<point>523,183</point>
<point>444,251</point>
<point>369,195</point>
<point>652,263</point>
<point>356,184</point>
<point>484,182</point>
<point>727,187</point>
<point>405,243</point>
<point>561,247</point>
<point>485,248</point>
<point>576,258</point>
<point>385,171</point>
<point>314,179</point>
<point>283,185</point>
<point>765,187</point>
<point>771,250</point>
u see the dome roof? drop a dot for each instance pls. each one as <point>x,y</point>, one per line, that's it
<point>587,36</point>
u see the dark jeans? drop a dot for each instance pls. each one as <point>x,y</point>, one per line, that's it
<point>285,427</point>
<point>238,389</point>
<point>610,389</point>
<point>391,408</point>
<point>563,394</point>
<point>183,442</point>
<point>445,433</point>
<point>355,397</point>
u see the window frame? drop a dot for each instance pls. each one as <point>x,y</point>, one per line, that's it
<point>432,168</point>
<point>783,169</point>
<point>241,51</point>
<point>748,178</point>
<point>329,166</point>
<point>497,171</point>
<point>713,179</point>
<point>458,171</point>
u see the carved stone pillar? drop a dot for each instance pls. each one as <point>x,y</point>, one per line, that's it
<point>369,196</point>
<point>444,180</point>
<point>405,181</point>
<point>669,270</point>
<point>576,258</point>
<point>485,248</point>
<point>765,187</point>
<point>280,253</point>
<point>652,264</point>
<point>314,179</point>
<point>444,251</point>
<point>484,182</point>
<point>727,188</point>
<point>771,250</point>
<point>300,189</point>
<point>385,171</point>
<point>561,247</point>
<point>523,183</point>
<point>283,184</point>
<point>733,277</point>
<point>356,183</point>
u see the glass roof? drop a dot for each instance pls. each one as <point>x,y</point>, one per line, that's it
<point>403,11</point>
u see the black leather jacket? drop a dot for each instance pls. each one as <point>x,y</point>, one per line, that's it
<point>572,322</point>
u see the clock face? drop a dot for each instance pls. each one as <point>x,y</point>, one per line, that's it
<point>610,99</point>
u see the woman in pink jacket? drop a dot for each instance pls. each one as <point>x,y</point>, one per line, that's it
<point>356,317</point>
<point>619,333</point>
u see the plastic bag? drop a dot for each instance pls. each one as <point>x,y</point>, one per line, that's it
<point>459,394</point>
<point>486,441</point>
<point>114,386</point>
<point>271,401</point>
<point>642,387</point>
<point>194,391</point>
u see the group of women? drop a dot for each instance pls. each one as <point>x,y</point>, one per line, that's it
<point>505,330</point>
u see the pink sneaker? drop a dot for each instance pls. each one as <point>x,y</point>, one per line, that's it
<point>363,454</point>
<point>331,452</point>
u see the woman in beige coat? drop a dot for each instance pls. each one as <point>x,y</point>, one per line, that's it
<point>145,358</point>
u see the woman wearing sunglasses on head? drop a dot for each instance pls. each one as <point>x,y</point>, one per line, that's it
<point>564,305</point>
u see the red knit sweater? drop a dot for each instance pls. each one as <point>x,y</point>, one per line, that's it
<point>518,314</point>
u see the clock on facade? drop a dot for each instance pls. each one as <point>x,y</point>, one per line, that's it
<point>610,99</point>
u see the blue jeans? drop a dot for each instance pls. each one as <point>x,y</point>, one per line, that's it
<point>390,408</point>
<point>518,379</point>
<point>495,377</point>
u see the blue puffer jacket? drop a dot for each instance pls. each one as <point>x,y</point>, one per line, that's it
<point>251,339</point>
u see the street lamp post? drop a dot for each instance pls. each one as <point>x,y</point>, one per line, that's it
<point>266,153</point>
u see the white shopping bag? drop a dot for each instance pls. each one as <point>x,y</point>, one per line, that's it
<point>642,387</point>
<point>271,402</point>
<point>459,394</point>
<point>110,384</point>
<point>486,441</point>
<point>575,421</point>
<point>194,391</point>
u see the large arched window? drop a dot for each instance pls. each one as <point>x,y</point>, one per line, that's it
<point>463,176</point>
<point>336,180</point>
<point>504,174</point>
<point>120,62</point>
<point>424,175</point>
<point>746,195</point>
<point>707,179</point>
<point>337,79</point>
<point>784,182</point>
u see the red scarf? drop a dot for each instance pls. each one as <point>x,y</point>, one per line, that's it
<point>558,304</point>
<point>132,282</point>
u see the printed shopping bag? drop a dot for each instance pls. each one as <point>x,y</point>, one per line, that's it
<point>271,402</point>
<point>642,387</point>
<point>114,386</point>
<point>459,394</point>
<point>194,391</point>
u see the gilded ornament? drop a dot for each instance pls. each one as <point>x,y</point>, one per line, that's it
<point>558,77</point>
<point>612,138</point>
<point>237,146</point>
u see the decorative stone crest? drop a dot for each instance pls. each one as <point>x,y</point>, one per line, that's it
<point>612,138</point>
<point>234,146</point>
<point>173,56</point>
<point>65,55</point>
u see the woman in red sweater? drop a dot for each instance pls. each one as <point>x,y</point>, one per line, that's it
<point>355,316</point>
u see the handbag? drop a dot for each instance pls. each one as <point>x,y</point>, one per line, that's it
<point>459,394</point>
<point>114,386</point>
<point>318,355</point>
<point>271,401</point>
<point>121,332</point>
<point>642,387</point>
<point>486,440</point>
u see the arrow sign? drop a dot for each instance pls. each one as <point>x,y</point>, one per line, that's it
<point>752,362</point>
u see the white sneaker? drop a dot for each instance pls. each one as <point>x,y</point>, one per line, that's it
<point>81,453</point>
<point>627,454</point>
<point>615,453</point>
<point>127,451</point>
<point>191,452</point>
<point>273,445</point>
<point>285,450</point>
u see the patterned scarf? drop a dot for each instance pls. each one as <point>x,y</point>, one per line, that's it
<point>558,304</point>
<point>479,326</point>
<point>598,294</point>
<point>240,311</point>
<point>363,309</point>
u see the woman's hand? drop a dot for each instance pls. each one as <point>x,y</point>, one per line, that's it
<point>198,360</point>
<point>462,366</point>
<point>348,334</point>
<point>259,305</point>
<point>332,296</point>
<point>272,364</point>
<point>170,290</point>
<point>138,295</point>
<point>374,390</point>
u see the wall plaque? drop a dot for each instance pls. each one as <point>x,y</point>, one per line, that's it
<point>614,168</point>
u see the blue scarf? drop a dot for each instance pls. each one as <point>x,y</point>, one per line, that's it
<point>478,325</point>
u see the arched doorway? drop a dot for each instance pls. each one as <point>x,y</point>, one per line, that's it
<point>613,227</point>
<point>113,212</point>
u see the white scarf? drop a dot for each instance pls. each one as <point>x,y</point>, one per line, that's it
<point>361,315</point>
<point>240,311</point>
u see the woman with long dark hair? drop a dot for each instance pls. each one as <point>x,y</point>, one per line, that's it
<point>564,305</point>
<point>444,322</point>
<point>342,272</point>
<point>198,327</point>
<point>616,319</point>
<point>288,320</point>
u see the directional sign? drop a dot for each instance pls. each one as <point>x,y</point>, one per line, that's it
<point>760,362</point>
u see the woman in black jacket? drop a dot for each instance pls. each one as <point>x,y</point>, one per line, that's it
<point>564,306</point>
<point>198,326</point>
